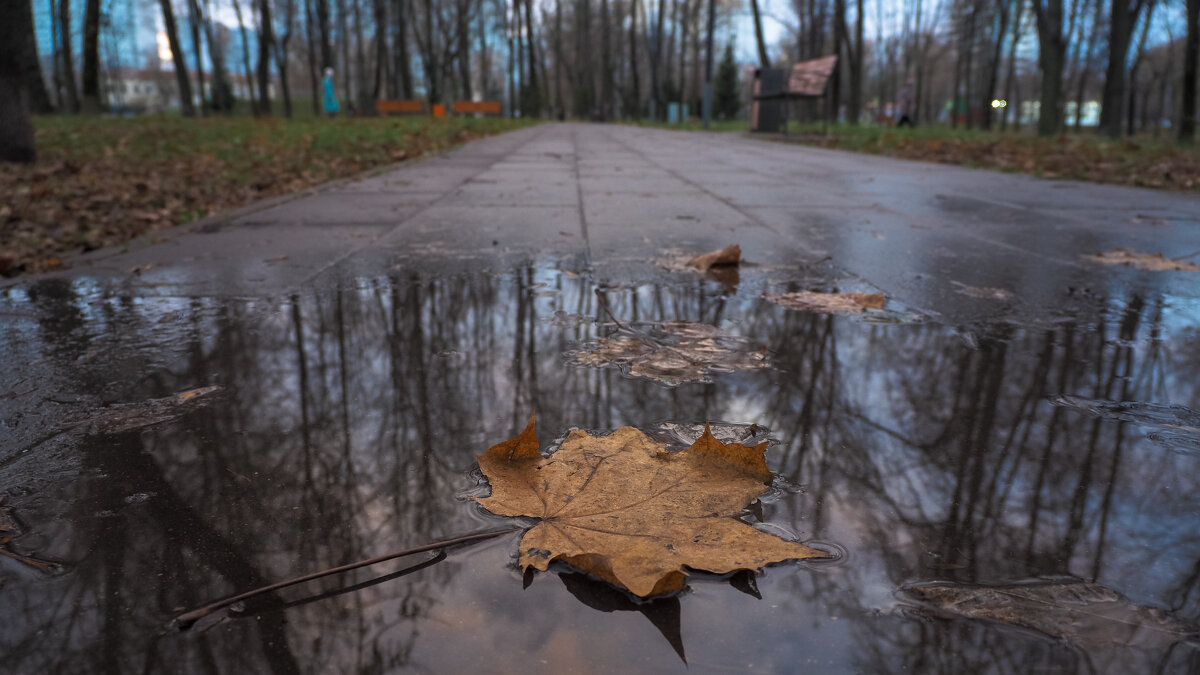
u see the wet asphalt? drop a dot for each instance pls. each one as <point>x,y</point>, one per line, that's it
<point>619,197</point>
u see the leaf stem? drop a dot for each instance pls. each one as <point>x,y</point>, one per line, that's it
<point>185,621</point>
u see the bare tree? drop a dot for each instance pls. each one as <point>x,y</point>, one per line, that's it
<point>1120,32</point>
<point>16,125</point>
<point>1191,54</point>
<point>266,39</point>
<point>403,68</point>
<point>759,41</point>
<point>68,60</point>
<point>181,74</point>
<point>91,57</point>
<point>1052,47</point>
<point>281,54</point>
<point>237,10</point>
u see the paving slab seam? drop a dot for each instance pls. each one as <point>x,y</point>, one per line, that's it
<point>437,202</point>
<point>680,177</point>
<point>587,244</point>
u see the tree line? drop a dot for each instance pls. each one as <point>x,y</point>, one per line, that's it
<point>965,59</point>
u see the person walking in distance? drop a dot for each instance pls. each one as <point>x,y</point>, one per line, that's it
<point>331,99</point>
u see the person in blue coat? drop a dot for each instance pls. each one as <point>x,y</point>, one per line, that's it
<point>331,99</point>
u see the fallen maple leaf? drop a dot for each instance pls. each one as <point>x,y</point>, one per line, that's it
<point>829,303</point>
<point>1154,262</point>
<point>621,508</point>
<point>730,255</point>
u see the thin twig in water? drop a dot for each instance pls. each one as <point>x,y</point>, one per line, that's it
<point>604,305</point>
<point>1184,257</point>
<point>185,621</point>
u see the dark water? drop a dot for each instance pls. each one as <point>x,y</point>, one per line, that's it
<point>347,422</point>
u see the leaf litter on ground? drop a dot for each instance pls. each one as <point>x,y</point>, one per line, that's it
<point>622,508</point>
<point>673,352</point>
<point>828,303</point>
<point>105,181</point>
<point>1080,612</point>
<point>1154,262</point>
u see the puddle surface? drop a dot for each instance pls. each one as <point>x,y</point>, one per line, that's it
<point>345,425</point>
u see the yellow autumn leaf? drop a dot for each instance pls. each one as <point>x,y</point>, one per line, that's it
<point>622,508</point>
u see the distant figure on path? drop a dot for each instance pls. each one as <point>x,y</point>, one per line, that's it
<point>904,104</point>
<point>331,99</point>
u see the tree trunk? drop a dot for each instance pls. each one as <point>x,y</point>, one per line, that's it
<point>197,52</point>
<point>655,60</point>
<point>1120,31</point>
<point>265,40</point>
<point>281,57</point>
<point>994,65</point>
<point>1138,56</point>
<point>634,106</point>
<point>535,91</point>
<point>463,24</point>
<point>360,60</point>
<point>429,56</point>
<point>759,40</point>
<point>222,95</point>
<point>1191,54</point>
<point>854,111</point>
<point>249,74</point>
<point>606,74</point>
<point>347,76</point>
<point>181,75</point>
<point>379,8</point>
<point>403,57</point>
<point>16,125</point>
<point>314,80</point>
<point>1012,65</point>
<point>68,59</point>
<point>323,30</point>
<point>1052,49</point>
<point>31,67</point>
<point>91,57</point>
<point>560,101</point>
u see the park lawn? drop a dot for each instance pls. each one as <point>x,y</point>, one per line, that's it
<point>1142,162</point>
<point>102,181</point>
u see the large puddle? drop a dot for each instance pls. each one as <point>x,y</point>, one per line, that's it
<point>345,424</point>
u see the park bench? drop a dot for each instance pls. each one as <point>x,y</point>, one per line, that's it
<point>385,107</point>
<point>477,108</point>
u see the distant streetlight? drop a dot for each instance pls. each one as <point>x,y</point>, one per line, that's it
<point>999,103</point>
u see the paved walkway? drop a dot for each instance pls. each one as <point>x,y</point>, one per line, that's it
<point>614,197</point>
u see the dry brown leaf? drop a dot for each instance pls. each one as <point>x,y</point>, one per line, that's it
<point>829,303</point>
<point>674,352</point>
<point>984,292</point>
<point>621,508</point>
<point>1143,261</point>
<point>730,255</point>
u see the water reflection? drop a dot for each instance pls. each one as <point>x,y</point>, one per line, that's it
<point>347,424</point>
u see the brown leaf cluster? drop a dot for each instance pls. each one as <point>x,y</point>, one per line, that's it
<point>829,303</point>
<point>622,508</point>
<point>672,352</point>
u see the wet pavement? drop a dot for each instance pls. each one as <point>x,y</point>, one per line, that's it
<point>308,384</point>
